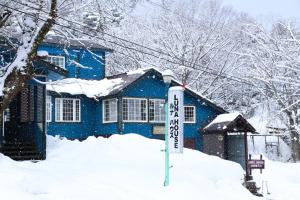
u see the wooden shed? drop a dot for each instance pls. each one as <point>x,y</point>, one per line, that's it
<point>226,137</point>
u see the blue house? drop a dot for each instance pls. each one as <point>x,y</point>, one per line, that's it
<point>125,103</point>
<point>86,103</point>
<point>81,101</point>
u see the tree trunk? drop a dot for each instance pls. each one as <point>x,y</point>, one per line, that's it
<point>17,79</point>
<point>295,145</point>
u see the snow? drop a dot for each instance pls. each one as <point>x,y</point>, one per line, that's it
<point>120,167</point>
<point>138,71</point>
<point>167,72</point>
<point>265,116</point>
<point>282,180</point>
<point>227,117</point>
<point>42,53</point>
<point>90,88</point>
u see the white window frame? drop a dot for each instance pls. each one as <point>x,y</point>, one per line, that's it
<point>163,108</point>
<point>50,57</point>
<point>104,110</point>
<point>60,111</point>
<point>48,108</point>
<point>194,113</point>
<point>146,109</point>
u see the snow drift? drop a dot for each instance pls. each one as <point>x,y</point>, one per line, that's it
<point>117,168</point>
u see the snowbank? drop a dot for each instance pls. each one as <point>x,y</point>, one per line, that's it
<point>121,167</point>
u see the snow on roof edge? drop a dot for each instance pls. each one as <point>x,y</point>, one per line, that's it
<point>89,88</point>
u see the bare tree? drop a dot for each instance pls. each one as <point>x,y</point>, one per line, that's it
<point>193,38</point>
<point>26,25</point>
<point>273,67</point>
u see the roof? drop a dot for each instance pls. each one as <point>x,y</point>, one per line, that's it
<point>41,64</point>
<point>89,88</point>
<point>229,122</point>
<point>125,80</point>
<point>106,87</point>
<point>75,43</point>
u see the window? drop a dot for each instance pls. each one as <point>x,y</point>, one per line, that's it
<point>189,114</point>
<point>48,109</point>
<point>7,115</point>
<point>110,110</point>
<point>156,110</point>
<point>27,104</point>
<point>67,110</point>
<point>134,110</point>
<point>56,60</point>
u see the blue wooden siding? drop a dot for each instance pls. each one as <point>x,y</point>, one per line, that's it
<point>75,130</point>
<point>92,62</point>
<point>152,87</point>
<point>148,87</point>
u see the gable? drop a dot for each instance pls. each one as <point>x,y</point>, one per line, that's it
<point>80,63</point>
<point>151,85</point>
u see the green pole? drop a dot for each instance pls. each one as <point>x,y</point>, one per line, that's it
<point>166,183</point>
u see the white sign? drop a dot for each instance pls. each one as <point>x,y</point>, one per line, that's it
<point>176,118</point>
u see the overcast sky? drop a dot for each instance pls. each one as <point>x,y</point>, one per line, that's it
<point>267,8</point>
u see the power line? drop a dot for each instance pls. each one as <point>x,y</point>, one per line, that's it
<point>122,39</point>
<point>214,72</point>
<point>237,79</point>
<point>91,28</point>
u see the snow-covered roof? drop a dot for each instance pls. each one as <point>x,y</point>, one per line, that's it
<point>96,88</point>
<point>227,117</point>
<point>112,85</point>
<point>229,122</point>
<point>90,88</point>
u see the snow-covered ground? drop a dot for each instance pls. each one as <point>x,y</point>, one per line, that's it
<point>120,167</point>
<point>281,180</point>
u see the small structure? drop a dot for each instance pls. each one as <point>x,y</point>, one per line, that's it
<point>226,137</point>
<point>23,125</point>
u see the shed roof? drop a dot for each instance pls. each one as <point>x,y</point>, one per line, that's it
<point>229,122</point>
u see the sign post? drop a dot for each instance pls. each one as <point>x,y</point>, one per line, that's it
<point>255,164</point>
<point>174,112</point>
<point>176,118</point>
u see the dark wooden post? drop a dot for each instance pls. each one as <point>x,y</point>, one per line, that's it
<point>247,176</point>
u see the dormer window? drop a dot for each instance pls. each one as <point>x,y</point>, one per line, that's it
<point>56,60</point>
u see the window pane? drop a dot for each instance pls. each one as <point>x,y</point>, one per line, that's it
<point>151,110</point>
<point>48,109</point>
<point>77,107</point>
<point>189,114</point>
<point>56,60</point>
<point>156,110</point>
<point>110,110</point>
<point>106,111</point>
<point>125,109</point>
<point>135,110</point>
<point>67,110</point>
<point>57,109</point>
<point>143,110</point>
<point>113,110</point>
